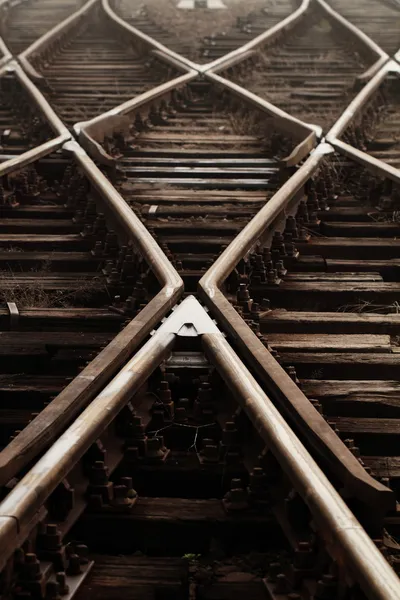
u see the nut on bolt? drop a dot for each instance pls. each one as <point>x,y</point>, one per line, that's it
<point>237,498</point>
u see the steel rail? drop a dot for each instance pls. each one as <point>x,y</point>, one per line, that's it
<point>37,97</point>
<point>290,399</point>
<point>307,132</point>
<point>245,51</point>
<point>361,99</point>
<point>374,48</point>
<point>7,54</point>
<point>50,36</point>
<point>92,133</point>
<point>354,110</point>
<point>230,59</point>
<point>346,541</point>
<point>62,133</point>
<point>45,428</point>
<point>165,53</point>
<point>271,33</point>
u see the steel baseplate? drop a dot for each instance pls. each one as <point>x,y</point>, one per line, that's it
<point>72,583</point>
<point>189,319</point>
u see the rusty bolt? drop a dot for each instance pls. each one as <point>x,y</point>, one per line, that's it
<point>74,565</point>
<point>62,581</point>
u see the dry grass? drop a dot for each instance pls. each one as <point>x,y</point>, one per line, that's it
<point>273,142</point>
<point>365,306</point>
<point>33,294</point>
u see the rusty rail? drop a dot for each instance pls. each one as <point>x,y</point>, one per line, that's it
<point>345,539</point>
<point>236,55</point>
<point>45,428</point>
<point>291,401</point>
<point>382,57</point>
<point>269,37</point>
<point>61,132</point>
<point>159,49</point>
<point>309,134</point>
<point>92,133</point>
<point>352,112</point>
<point>4,7</point>
<point>51,36</point>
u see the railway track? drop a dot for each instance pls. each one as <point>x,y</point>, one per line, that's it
<point>311,71</point>
<point>188,417</point>
<point>196,172</point>
<point>172,474</point>
<point>333,319</point>
<point>231,28</point>
<point>72,284</point>
<point>23,122</point>
<point>61,307</point>
<point>379,20</point>
<point>56,296</point>
<point>98,68</point>
<point>322,319</point>
<point>25,22</point>
<point>373,127</point>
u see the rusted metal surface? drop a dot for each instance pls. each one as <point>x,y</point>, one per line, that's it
<point>61,132</point>
<point>267,38</point>
<point>381,56</point>
<point>352,116</point>
<point>278,382</point>
<point>52,420</point>
<point>92,133</point>
<point>361,100</point>
<point>344,537</point>
<point>57,33</point>
<point>309,134</point>
<point>22,22</point>
<point>177,59</point>
<point>346,542</point>
<point>6,54</point>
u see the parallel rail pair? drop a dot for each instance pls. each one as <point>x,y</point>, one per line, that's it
<point>19,510</point>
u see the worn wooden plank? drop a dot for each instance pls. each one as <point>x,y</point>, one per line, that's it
<point>355,390</point>
<point>344,365</point>
<point>329,342</point>
<point>360,229</point>
<point>383,466</point>
<point>371,426</point>
<point>15,340</point>
<point>286,321</point>
<point>68,241</point>
<point>326,277</point>
<point>369,359</point>
<point>364,398</point>
<point>348,247</point>
<point>377,288</point>
<point>135,578</point>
